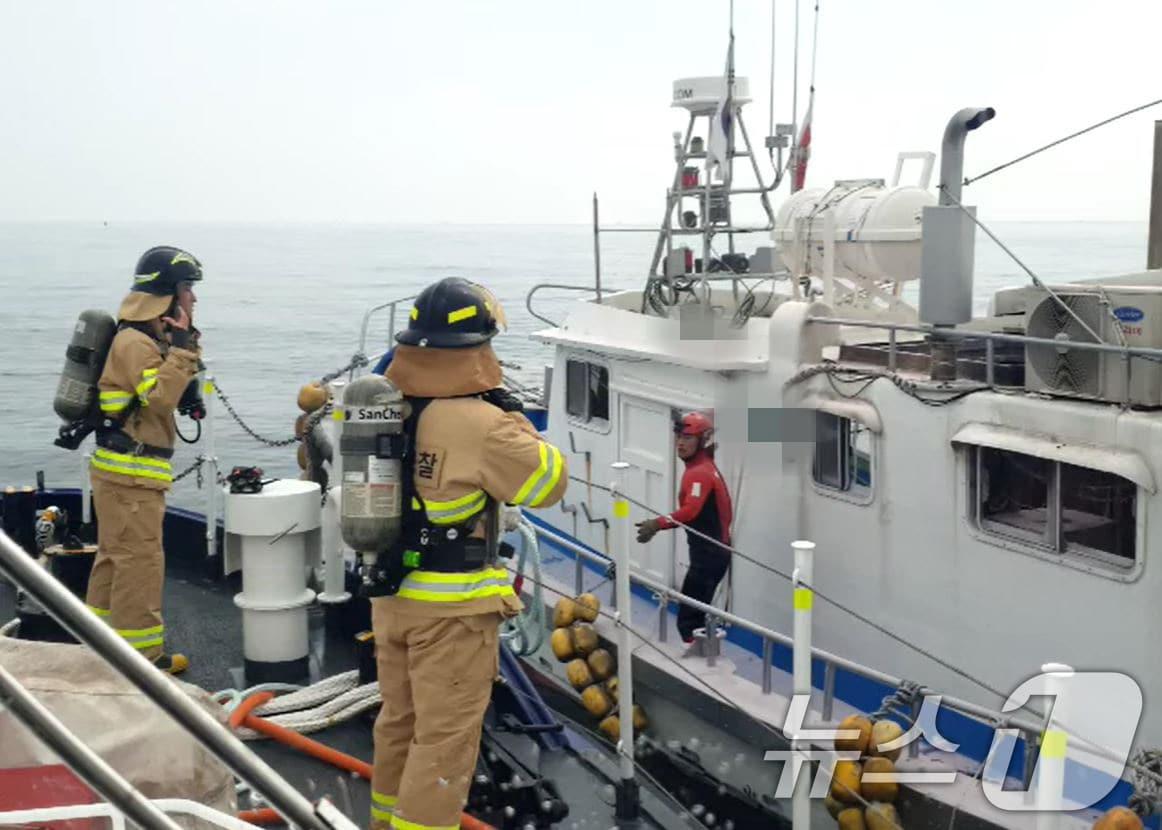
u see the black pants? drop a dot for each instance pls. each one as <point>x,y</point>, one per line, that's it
<point>707,567</point>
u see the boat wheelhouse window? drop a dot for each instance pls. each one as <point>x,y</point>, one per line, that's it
<point>842,454</point>
<point>1058,507</point>
<point>586,391</point>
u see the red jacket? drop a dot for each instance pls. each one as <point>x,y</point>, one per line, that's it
<point>696,509</point>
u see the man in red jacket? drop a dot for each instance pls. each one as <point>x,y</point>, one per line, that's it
<point>703,505</point>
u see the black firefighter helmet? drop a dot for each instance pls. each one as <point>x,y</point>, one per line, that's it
<point>160,270</point>
<point>453,314</point>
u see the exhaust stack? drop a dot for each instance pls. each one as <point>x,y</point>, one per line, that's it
<point>946,258</point>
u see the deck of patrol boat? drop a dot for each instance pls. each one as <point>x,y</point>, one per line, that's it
<point>203,622</point>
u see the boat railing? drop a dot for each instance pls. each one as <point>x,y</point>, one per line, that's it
<point>592,289</point>
<point>41,816</point>
<point>24,571</point>
<point>716,276</point>
<point>990,338</point>
<point>1030,730</point>
<point>391,307</point>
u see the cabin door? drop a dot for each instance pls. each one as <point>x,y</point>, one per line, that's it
<point>645,438</point>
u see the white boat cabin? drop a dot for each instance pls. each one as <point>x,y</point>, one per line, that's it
<point>1000,518</point>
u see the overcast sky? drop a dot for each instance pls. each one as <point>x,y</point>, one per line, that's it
<point>513,111</point>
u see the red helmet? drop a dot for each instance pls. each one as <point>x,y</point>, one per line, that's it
<point>696,423</point>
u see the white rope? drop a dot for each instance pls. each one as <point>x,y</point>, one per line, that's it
<point>312,696</point>
<point>346,706</point>
<point>525,633</point>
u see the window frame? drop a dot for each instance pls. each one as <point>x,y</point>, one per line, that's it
<point>854,494</point>
<point>588,421</point>
<point>1068,554</point>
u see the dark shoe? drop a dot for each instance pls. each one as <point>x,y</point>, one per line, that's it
<point>172,663</point>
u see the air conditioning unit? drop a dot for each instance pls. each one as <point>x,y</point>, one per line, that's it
<point>1096,375</point>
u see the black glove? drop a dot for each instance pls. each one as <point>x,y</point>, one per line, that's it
<point>179,338</point>
<point>503,399</point>
<point>647,529</point>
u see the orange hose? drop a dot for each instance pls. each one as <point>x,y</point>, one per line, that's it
<point>247,706</point>
<point>264,815</point>
<point>304,744</point>
<point>242,714</point>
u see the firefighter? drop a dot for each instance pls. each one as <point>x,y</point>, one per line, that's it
<point>703,505</point>
<point>153,358</point>
<point>437,637</point>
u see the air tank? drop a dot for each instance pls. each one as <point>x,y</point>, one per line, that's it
<point>76,390</point>
<point>876,230</point>
<point>371,445</point>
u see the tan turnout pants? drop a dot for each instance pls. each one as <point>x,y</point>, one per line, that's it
<point>435,675</point>
<point>126,581</point>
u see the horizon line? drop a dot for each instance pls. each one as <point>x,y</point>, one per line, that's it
<point>437,223</point>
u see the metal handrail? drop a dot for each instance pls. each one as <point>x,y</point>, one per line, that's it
<point>88,765</point>
<point>367,320</point>
<point>71,613</point>
<point>964,707</point>
<point>966,334</point>
<point>37,816</point>
<point>591,288</point>
<point>1029,729</point>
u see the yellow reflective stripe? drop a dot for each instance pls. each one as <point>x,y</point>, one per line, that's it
<point>114,400</point>
<point>462,314</point>
<point>465,577</point>
<point>148,373</point>
<point>143,389</point>
<point>556,464</point>
<point>140,278</point>
<point>141,645</point>
<point>100,612</point>
<point>532,480</point>
<point>415,313</point>
<point>131,471</point>
<point>620,509</point>
<point>380,815</point>
<point>451,512</point>
<point>131,633</point>
<point>132,465</point>
<point>431,504</point>
<point>416,503</point>
<point>404,824</point>
<point>431,586</point>
<point>385,800</point>
<point>141,460</point>
<point>456,596</point>
<point>804,599</point>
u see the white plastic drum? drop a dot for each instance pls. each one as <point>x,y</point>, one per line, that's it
<point>273,527</point>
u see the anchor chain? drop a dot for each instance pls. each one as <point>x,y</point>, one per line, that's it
<point>197,466</point>
<point>357,361</point>
<point>270,442</point>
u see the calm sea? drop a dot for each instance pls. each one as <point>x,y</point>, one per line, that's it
<point>283,304</point>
